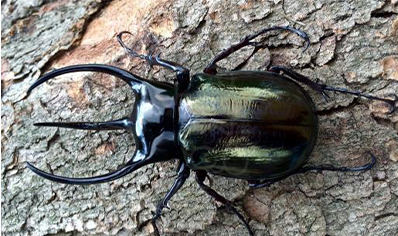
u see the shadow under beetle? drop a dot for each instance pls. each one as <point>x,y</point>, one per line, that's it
<point>257,126</point>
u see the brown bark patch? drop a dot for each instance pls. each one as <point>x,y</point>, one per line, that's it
<point>26,25</point>
<point>105,149</point>
<point>86,54</point>
<point>164,26</point>
<point>77,93</point>
<point>390,67</point>
<point>52,6</point>
<point>394,27</point>
<point>99,41</point>
<point>380,107</point>
<point>350,76</point>
<point>393,146</point>
<point>120,16</point>
<point>6,75</point>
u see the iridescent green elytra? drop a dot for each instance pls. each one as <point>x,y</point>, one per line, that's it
<point>247,125</point>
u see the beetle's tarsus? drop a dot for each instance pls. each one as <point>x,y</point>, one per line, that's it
<point>155,227</point>
<point>322,88</point>
<point>325,96</point>
<point>129,50</point>
<point>183,173</point>
<point>149,59</point>
<point>183,76</point>
<point>365,167</point>
<point>200,178</point>
<point>256,184</point>
<point>368,96</point>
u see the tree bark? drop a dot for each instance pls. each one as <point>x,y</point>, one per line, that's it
<point>354,44</point>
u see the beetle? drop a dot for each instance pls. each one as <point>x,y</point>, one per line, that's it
<point>251,125</point>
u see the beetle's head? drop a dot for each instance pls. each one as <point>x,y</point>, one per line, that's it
<point>152,123</point>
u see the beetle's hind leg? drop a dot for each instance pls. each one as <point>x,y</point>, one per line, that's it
<point>322,88</point>
<point>200,178</point>
<point>182,72</point>
<point>261,184</point>
<point>365,167</point>
<point>182,174</point>
<point>247,41</point>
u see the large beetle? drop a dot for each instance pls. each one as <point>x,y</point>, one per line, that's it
<point>258,126</point>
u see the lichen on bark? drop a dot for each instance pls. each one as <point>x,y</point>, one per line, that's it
<point>354,45</point>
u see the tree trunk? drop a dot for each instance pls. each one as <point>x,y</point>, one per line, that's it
<point>354,44</point>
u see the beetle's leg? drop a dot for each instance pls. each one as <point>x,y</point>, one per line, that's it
<point>254,184</point>
<point>300,78</point>
<point>365,167</point>
<point>200,178</point>
<point>182,72</point>
<point>182,174</point>
<point>321,88</point>
<point>247,41</point>
<point>243,63</point>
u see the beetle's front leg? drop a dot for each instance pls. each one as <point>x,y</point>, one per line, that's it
<point>248,41</point>
<point>182,174</point>
<point>182,72</point>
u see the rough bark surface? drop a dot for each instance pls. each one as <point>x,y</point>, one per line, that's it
<point>354,44</point>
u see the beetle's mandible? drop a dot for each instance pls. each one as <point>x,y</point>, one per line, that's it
<point>257,126</point>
